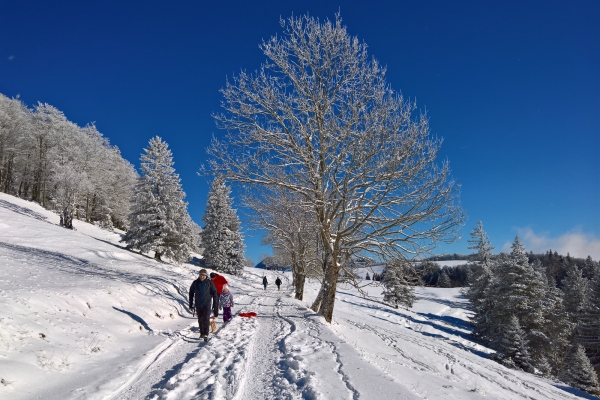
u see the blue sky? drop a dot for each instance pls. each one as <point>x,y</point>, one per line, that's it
<point>513,87</point>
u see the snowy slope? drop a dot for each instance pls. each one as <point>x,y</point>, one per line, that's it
<point>83,318</point>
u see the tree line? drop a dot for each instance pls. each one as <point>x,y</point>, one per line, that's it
<point>535,323</point>
<point>73,170</point>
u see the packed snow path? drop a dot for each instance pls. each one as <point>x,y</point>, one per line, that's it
<point>284,353</point>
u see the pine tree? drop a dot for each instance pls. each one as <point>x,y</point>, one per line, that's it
<point>444,280</point>
<point>479,282</point>
<point>590,267</point>
<point>579,372</point>
<point>221,238</point>
<point>469,277</point>
<point>481,242</point>
<point>588,328</point>
<point>511,345</point>
<point>517,290</point>
<point>397,291</point>
<point>556,331</point>
<point>575,287</point>
<point>159,220</point>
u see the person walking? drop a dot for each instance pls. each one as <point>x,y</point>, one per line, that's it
<point>265,282</point>
<point>278,282</point>
<point>226,303</point>
<point>203,295</point>
<point>218,281</point>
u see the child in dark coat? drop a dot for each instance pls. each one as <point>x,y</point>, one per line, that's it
<point>226,303</point>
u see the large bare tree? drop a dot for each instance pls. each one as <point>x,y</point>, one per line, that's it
<point>320,120</point>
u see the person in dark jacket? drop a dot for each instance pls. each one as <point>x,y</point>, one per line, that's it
<point>203,295</point>
<point>265,282</point>
<point>278,282</point>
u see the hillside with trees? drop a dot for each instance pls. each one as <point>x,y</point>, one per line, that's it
<point>66,168</point>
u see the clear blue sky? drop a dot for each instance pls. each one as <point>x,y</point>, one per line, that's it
<point>512,86</point>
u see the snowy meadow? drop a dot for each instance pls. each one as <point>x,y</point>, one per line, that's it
<point>84,318</point>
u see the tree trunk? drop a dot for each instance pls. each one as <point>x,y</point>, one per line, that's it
<point>329,288</point>
<point>87,208</point>
<point>67,218</point>
<point>299,286</point>
<point>317,302</point>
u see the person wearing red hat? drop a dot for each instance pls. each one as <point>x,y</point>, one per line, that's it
<point>218,281</point>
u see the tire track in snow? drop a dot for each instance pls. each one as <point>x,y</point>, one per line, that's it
<point>307,351</point>
<point>217,370</point>
<point>165,361</point>
<point>267,381</point>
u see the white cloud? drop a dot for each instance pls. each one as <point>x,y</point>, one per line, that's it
<point>576,243</point>
<point>10,58</point>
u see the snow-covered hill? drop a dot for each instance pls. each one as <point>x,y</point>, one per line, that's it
<point>83,318</point>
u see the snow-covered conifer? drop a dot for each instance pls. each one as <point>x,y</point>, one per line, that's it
<point>481,242</point>
<point>516,289</point>
<point>579,372</point>
<point>222,239</point>
<point>588,328</point>
<point>397,291</point>
<point>443,280</point>
<point>159,220</point>
<point>552,338</point>
<point>575,287</point>
<point>480,280</point>
<point>512,346</point>
<point>590,267</point>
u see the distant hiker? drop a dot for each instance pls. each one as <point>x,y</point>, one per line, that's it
<point>202,294</point>
<point>226,303</point>
<point>265,282</point>
<point>218,281</point>
<point>278,282</point>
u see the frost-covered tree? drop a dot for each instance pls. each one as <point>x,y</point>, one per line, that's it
<point>519,290</point>
<point>511,344</point>
<point>69,169</point>
<point>483,268</point>
<point>320,120</point>
<point>222,239</point>
<point>588,328</point>
<point>443,280</point>
<point>590,267</point>
<point>396,288</point>
<point>575,287</point>
<point>159,220</point>
<point>290,231</point>
<point>518,284</point>
<point>553,338</point>
<point>579,372</point>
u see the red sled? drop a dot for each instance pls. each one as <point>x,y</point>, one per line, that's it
<point>247,314</point>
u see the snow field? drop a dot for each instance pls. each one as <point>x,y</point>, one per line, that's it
<point>83,318</point>
<point>74,303</point>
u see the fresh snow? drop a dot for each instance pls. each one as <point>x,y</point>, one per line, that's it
<point>83,318</point>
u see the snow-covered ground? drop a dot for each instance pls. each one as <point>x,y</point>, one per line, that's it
<point>451,263</point>
<point>83,318</point>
